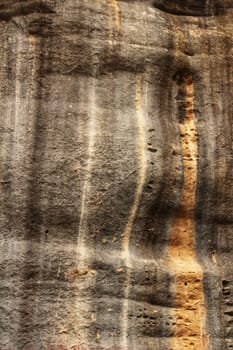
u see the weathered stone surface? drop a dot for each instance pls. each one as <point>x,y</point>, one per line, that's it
<point>116,174</point>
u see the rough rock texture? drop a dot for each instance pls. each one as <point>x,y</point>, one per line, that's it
<point>116,174</point>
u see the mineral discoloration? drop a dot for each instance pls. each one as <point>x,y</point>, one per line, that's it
<point>105,160</point>
<point>141,168</point>
<point>141,163</point>
<point>190,320</point>
<point>116,8</point>
<point>82,250</point>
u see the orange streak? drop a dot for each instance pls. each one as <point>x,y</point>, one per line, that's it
<point>115,6</point>
<point>32,41</point>
<point>189,313</point>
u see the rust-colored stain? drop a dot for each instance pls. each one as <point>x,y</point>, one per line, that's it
<point>189,313</point>
<point>76,273</point>
<point>32,41</point>
<point>115,6</point>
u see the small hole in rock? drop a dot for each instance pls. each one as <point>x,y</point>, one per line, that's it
<point>225,283</point>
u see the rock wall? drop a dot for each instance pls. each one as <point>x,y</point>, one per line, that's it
<point>116,174</point>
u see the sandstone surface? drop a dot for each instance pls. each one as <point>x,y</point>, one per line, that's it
<point>116,174</point>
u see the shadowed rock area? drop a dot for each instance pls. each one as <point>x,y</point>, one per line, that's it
<point>116,175</point>
<point>193,7</point>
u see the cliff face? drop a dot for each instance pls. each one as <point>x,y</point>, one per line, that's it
<point>116,174</point>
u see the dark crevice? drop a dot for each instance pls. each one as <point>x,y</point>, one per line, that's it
<point>23,8</point>
<point>189,8</point>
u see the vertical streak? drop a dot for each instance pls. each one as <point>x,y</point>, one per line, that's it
<point>81,248</point>
<point>141,166</point>
<point>32,42</point>
<point>115,6</point>
<point>189,314</point>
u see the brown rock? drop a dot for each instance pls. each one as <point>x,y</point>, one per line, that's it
<point>116,174</point>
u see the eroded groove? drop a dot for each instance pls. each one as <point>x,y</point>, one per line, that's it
<point>189,314</point>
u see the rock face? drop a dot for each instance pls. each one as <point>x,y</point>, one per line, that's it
<point>116,174</point>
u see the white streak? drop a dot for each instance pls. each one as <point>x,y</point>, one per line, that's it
<point>141,165</point>
<point>82,250</point>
